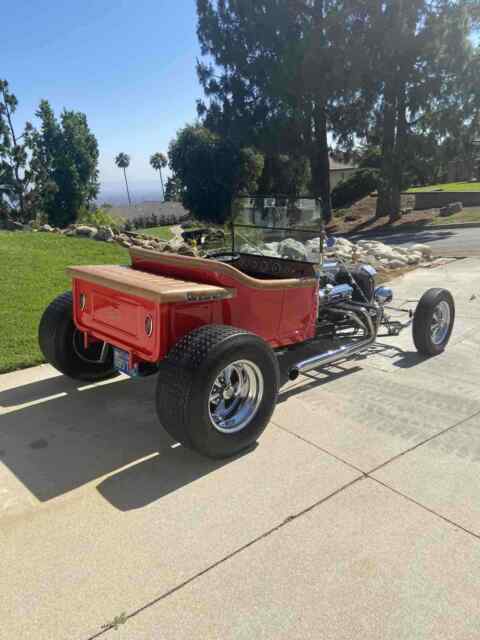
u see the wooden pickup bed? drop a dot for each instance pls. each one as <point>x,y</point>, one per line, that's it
<point>148,285</point>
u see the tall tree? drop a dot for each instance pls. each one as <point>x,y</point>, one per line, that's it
<point>173,189</point>
<point>122,160</point>
<point>282,74</point>
<point>15,172</point>
<point>65,161</point>
<point>419,53</point>
<point>212,171</point>
<point>158,162</point>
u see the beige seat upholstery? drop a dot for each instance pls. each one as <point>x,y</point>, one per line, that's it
<point>216,267</point>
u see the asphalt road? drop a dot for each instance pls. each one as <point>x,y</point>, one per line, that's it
<point>449,242</point>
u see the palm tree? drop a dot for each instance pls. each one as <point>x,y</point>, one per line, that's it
<point>123,161</point>
<point>159,162</point>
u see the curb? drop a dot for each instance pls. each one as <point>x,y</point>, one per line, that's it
<point>454,225</point>
<point>429,227</point>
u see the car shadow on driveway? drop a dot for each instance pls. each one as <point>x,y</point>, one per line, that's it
<point>73,436</point>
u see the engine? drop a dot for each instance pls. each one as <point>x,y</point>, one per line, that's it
<point>338,284</point>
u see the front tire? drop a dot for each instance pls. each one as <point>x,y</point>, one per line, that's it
<point>433,322</point>
<point>62,345</point>
<point>217,390</point>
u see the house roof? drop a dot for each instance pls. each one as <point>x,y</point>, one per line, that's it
<point>340,166</point>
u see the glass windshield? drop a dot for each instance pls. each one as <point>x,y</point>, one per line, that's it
<point>278,227</point>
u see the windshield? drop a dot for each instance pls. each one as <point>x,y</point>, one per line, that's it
<point>279,227</point>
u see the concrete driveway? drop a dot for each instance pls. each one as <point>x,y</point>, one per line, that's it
<point>356,516</point>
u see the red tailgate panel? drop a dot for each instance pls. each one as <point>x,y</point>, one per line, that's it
<point>119,319</point>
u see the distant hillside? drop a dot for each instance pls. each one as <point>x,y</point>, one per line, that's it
<point>160,209</point>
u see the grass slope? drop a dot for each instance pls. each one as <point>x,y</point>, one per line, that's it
<point>163,233</point>
<point>449,186</point>
<point>32,267</point>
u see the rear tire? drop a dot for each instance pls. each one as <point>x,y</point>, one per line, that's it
<point>56,336</point>
<point>433,322</point>
<point>217,390</point>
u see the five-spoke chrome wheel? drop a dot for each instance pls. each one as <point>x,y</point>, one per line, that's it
<point>235,396</point>
<point>440,322</point>
<point>433,321</point>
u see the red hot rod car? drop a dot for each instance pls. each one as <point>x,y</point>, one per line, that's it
<point>211,330</point>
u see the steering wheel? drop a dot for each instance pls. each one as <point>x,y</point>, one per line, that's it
<point>225,257</point>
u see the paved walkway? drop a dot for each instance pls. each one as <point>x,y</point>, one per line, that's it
<point>356,516</point>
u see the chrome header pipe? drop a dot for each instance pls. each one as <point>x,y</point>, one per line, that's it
<point>346,350</point>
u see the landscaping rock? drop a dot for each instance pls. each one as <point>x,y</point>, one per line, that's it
<point>13,225</point>
<point>450,209</point>
<point>86,231</point>
<point>293,249</point>
<point>424,250</point>
<point>46,228</point>
<point>104,233</point>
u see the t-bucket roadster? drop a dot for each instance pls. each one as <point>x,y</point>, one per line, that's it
<point>213,328</point>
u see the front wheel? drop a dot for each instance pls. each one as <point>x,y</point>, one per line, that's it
<point>433,321</point>
<point>217,390</point>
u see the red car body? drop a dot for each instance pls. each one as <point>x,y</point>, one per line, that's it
<point>282,310</point>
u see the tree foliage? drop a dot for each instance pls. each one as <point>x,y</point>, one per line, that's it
<point>173,189</point>
<point>158,162</point>
<point>122,160</point>
<point>419,55</point>
<point>212,171</point>
<point>280,74</point>
<point>17,197</point>
<point>65,163</point>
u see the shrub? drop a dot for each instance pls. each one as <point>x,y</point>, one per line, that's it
<point>98,218</point>
<point>359,185</point>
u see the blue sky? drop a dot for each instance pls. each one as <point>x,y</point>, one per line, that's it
<point>129,65</point>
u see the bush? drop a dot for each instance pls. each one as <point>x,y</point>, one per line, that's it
<point>98,218</point>
<point>359,185</point>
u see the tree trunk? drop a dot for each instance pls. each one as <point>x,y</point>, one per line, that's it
<point>163,188</point>
<point>385,201</point>
<point>320,164</point>
<point>126,184</point>
<point>399,155</point>
<point>16,169</point>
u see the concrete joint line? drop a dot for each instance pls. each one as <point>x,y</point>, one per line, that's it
<point>163,596</point>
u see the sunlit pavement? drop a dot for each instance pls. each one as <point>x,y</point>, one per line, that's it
<point>356,516</point>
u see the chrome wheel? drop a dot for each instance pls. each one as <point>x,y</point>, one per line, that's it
<point>235,396</point>
<point>440,322</point>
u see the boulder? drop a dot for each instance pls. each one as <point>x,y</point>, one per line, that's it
<point>414,258</point>
<point>396,264</point>
<point>85,231</point>
<point>450,209</point>
<point>13,225</point>
<point>104,233</point>
<point>46,228</point>
<point>424,250</point>
<point>293,249</point>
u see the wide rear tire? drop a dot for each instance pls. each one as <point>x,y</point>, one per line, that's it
<point>62,345</point>
<point>217,390</point>
<point>433,322</point>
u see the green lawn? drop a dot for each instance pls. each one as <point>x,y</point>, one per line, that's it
<point>450,186</point>
<point>32,268</point>
<point>163,233</point>
<point>470,214</point>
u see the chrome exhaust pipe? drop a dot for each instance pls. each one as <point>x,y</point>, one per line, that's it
<point>334,355</point>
